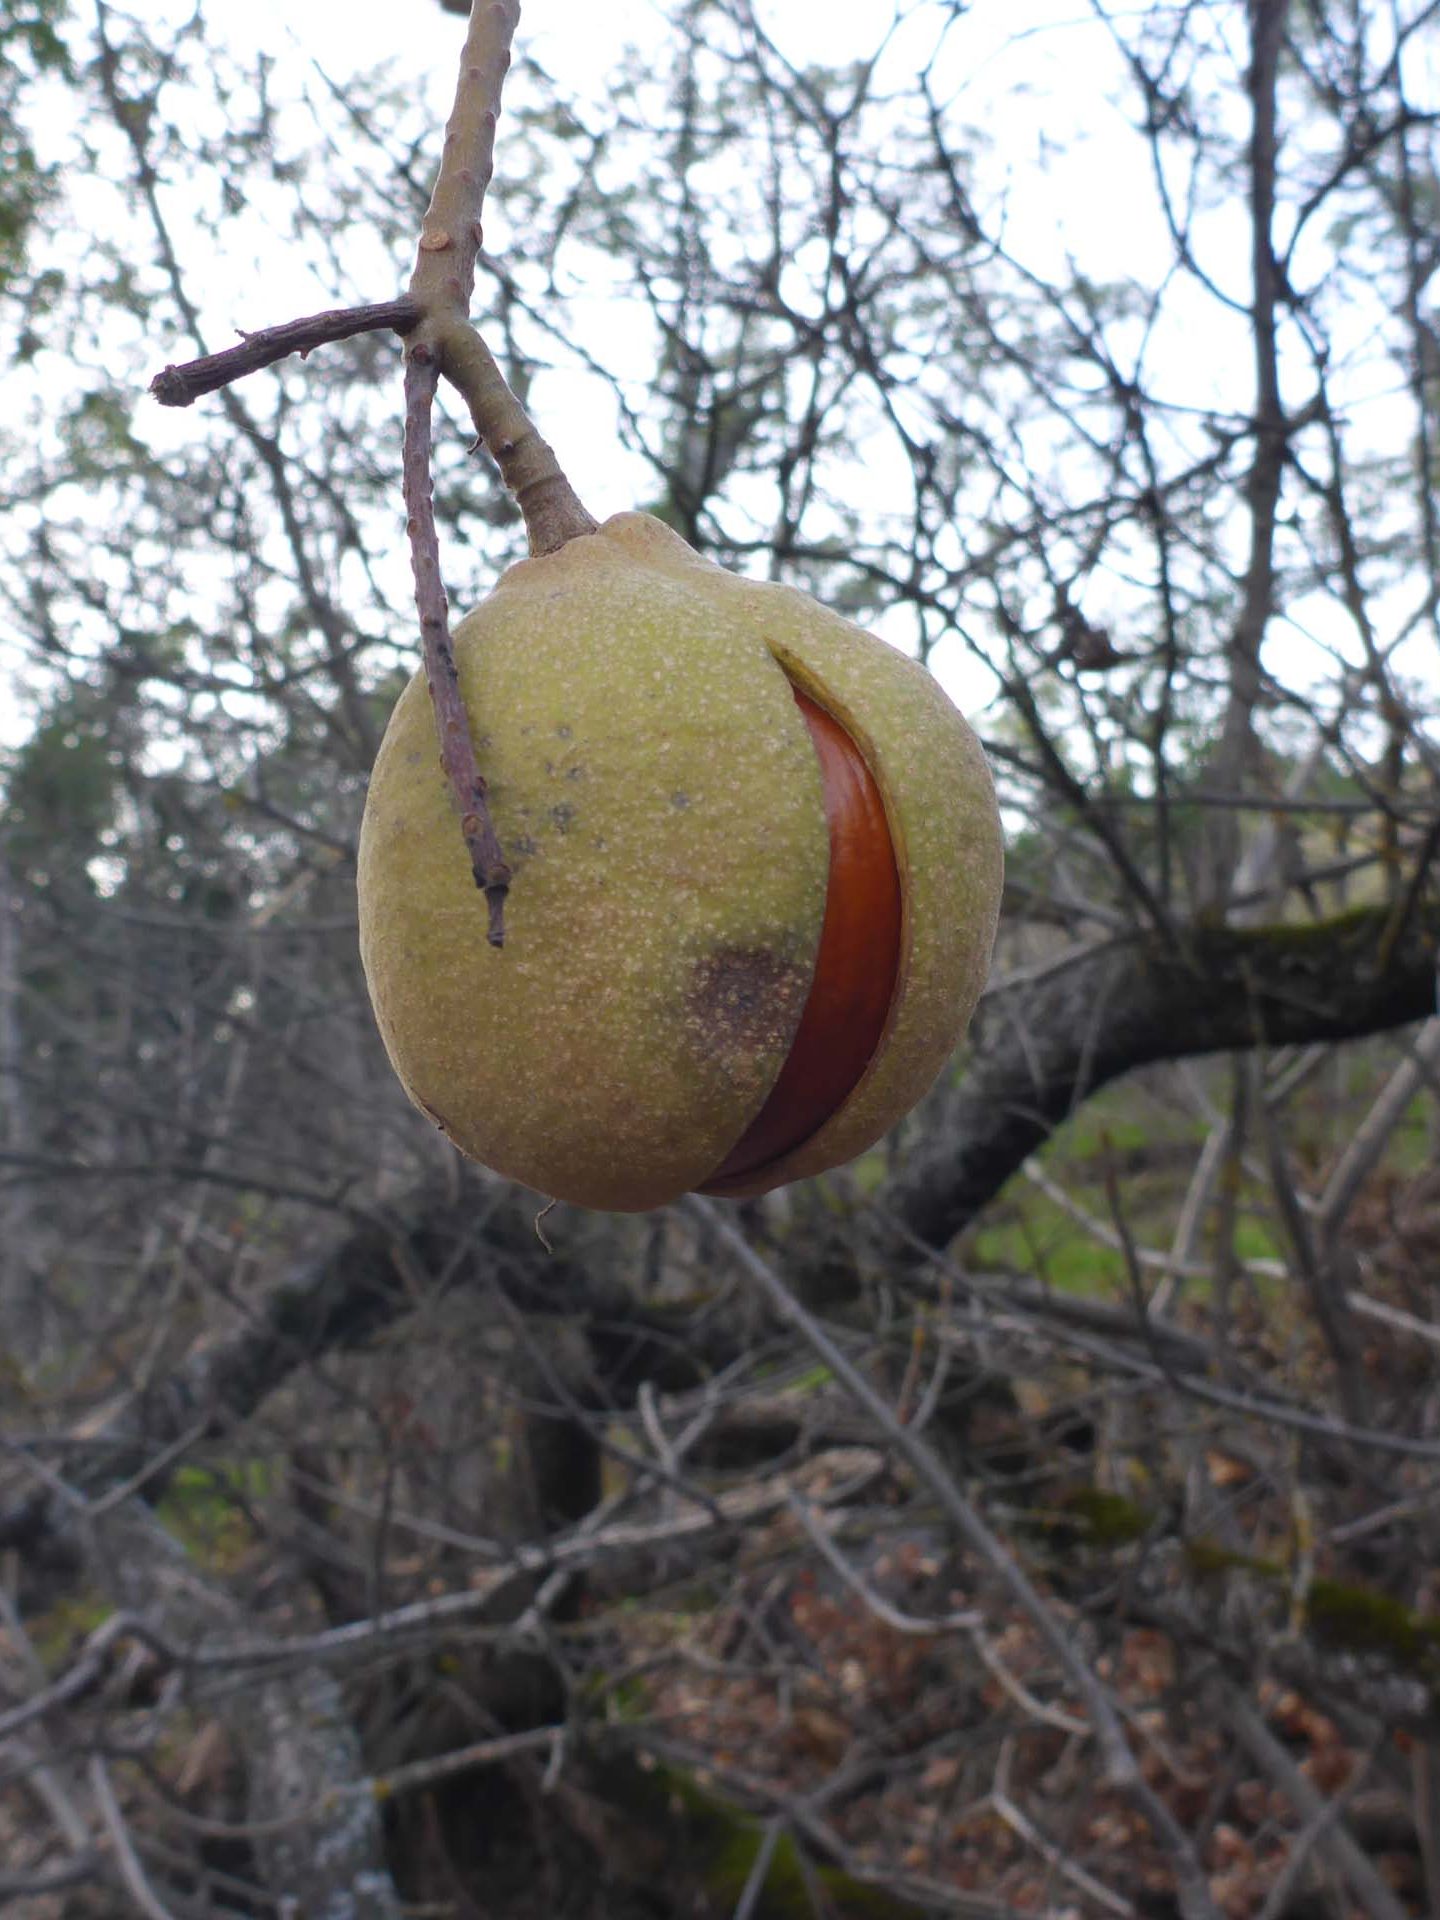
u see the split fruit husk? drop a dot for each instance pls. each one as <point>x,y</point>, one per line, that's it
<point>655,788</point>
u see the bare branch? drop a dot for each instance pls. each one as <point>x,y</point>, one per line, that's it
<point>179,386</point>
<point>451,235</point>
<point>1039,1047</point>
<point>1334,1841</point>
<point>122,1846</point>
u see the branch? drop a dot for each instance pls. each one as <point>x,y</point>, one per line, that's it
<point>1042,1046</point>
<point>1237,743</point>
<point>180,386</point>
<point>457,749</point>
<point>451,234</point>
<point>553,510</point>
<point>127,1861</point>
<point>483,1605</point>
<point>444,279</point>
<point>1335,1841</point>
<point>444,341</point>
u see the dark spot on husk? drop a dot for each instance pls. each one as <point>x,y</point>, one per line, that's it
<point>680,801</point>
<point>562,816</point>
<point>744,1002</point>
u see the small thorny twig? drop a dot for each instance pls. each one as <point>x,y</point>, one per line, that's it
<point>457,751</point>
<point>179,386</point>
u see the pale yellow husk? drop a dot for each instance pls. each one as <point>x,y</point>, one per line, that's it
<point>655,789</point>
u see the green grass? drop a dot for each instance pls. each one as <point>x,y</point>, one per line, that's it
<point>1123,1144</point>
<point>204,1507</point>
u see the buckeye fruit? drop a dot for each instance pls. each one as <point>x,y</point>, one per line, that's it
<point>756,865</point>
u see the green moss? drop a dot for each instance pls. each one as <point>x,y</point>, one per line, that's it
<point>1342,1613</point>
<point>1365,1621</point>
<point>1108,1519</point>
<point>56,1633</point>
<point>720,1844</point>
<point>205,1508</point>
<point>1207,1556</point>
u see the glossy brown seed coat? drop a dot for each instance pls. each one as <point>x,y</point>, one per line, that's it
<point>855,969</point>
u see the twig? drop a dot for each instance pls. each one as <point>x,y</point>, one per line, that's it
<point>892,1617</point>
<point>1054,1857</point>
<point>23,1886</point>
<point>1120,1764</point>
<point>1425,1800</point>
<point>378,1786</point>
<point>1165,1263</point>
<point>45,1777</point>
<point>1395,1317</point>
<point>87,1669</point>
<point>554,513</point>
<point>759,1873</point>
<point>445,342</point>
<point>1281,1897</point>
<point>390,1632</point>
<point>457,749</point>
<point>450,234</point>
<point>1318,1273</point>
<point>1251,1406</point>
<point>179,386</point>
<point>444,278</point>
<point>1335,1841</point>
<point>1372,1136</point>
<point>127,1860</point>
<point>1017,1691</point>
<point>802,1813</point>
